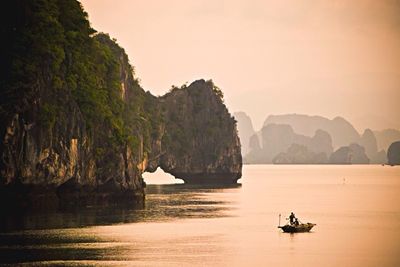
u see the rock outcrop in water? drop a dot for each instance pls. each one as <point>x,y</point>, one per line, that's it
<point>300,154</point>
<point>341,131</point>
<point>352,154</point>
<point>278,138</point>
<point>200,144</point>
<point>394,153</point>
<point>369,142</point>
<point>76,124</point>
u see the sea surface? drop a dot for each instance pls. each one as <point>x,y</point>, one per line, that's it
<point>356,209</point>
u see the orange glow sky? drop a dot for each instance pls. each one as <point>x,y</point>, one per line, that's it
<point>318,57</point>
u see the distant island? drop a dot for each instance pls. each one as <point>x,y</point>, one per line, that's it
<point>394,153</point>
<point>304,139</point>
<point>77,126</point>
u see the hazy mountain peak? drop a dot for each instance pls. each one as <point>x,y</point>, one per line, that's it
<point>338,118</point>
<point>341,131</point>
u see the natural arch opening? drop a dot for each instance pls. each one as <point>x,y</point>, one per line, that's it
<point>160,177</point>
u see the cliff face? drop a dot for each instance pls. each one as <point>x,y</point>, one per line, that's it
<point>352,154</point>
<point>245,129</point>
<point>300,154</point>
<point>200,144</point>
<point>369,142</point>
<point>54,145</point>
<point>277,139</point>
<point>76,123</point>
<point>341,131</point>
<point>394,153</point>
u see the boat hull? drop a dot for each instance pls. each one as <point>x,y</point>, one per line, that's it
<point>301,228</point>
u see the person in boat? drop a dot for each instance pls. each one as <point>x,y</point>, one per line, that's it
<point>296,222</point>
<point>292,218</point>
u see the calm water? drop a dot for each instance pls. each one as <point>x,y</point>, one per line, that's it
<point>356,209</point>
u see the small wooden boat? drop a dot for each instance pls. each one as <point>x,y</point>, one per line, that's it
<point>301,228</point>
<point>296,228</point>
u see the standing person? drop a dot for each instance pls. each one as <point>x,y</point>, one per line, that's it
<point>292,217</point>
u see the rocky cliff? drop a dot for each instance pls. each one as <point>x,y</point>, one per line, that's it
<point>369,142</point>
<point>393,154</point>
<point>300,154</point>
<point>352,154</point>
<point>76,124</point>
<point>277,139</point>
<point>341,131</point>
<point>200,144</point>
<point>245,129</point>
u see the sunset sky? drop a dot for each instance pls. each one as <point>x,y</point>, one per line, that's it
<point>317,57</point>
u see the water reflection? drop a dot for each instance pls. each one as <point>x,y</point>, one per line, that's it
<point>357,224</point>
<point>64,236</point>
<point>163,202</point>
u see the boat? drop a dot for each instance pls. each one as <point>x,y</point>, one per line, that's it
<point>301,228</point>
<point>296,228</point>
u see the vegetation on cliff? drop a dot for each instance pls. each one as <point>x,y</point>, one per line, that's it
<point>55,53</point>
<point>200,141</point>
<point>73,114</point>
<point>56,64</point>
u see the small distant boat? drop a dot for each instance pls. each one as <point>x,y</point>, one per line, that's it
<point>296,228</point>
<point>301,228</point>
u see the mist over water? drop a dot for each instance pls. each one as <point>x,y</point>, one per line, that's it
<point>356,209</point>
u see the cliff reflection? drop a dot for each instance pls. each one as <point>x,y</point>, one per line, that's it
<point>163,202</point>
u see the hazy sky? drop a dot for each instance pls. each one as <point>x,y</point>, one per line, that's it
<point>318,57</point>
